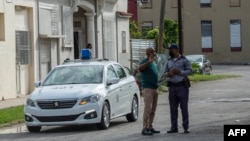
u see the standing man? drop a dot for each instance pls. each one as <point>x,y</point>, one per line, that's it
<point>89,46</point>
<point>177,70</point>
<point>149,81</point>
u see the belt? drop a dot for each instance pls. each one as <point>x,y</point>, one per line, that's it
<point>181,83</point>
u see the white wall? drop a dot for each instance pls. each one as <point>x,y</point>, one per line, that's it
<point>8,49</point>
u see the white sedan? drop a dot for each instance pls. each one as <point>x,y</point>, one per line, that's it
<point>83,92</point>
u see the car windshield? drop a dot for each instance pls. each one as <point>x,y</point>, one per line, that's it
<point>194,58</point>
<point>87,74</point>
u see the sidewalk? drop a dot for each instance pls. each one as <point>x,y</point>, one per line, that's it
<point>13,102</point>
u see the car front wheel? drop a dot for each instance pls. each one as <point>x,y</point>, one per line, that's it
<point>34,128</point>
<point>133,116</point>
<point>105,119</point>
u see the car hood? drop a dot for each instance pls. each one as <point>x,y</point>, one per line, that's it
<point>66,91</point>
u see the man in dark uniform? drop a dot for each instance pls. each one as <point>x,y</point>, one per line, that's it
<point>177,70</point>
<point>149,81</point>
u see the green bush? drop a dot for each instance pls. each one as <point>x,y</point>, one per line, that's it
<point>196,68</point>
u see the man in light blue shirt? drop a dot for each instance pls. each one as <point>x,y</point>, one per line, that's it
<point>177,70</point>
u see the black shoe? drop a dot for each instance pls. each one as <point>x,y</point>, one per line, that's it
<point>146,132</point>
<point>154,131</point>
<point>172,131</point>
<point>186,131</point>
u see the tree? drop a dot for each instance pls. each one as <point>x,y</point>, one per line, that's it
<point>170,34</point>
<point>133,29</point>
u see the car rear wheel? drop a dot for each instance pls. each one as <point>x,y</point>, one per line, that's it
<point>105,119</point>
<point>34,128</point>
<point>133,116</point>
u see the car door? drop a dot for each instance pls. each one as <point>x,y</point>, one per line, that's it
<point>125,90</point>
<point>112,91</point>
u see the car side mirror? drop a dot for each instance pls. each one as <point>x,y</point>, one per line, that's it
<point>37,83</point>
<point>112,81</point>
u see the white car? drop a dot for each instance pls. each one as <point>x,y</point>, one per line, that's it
<point>83,92</point>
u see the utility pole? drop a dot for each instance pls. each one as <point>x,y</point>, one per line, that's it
<point>161,26</point>
<point>180,33</point>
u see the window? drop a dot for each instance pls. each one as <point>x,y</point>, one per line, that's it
<point>120,71</point>
<point>146,4</point>
<point>123,41</point>
<point>2,29</point>
<point>146,26</point>
<point>22,47</point>
<point>111,72</point>
<point>235,35</point>
<point>205,3</point>
<point>234,3</point>
<point>206,36</point>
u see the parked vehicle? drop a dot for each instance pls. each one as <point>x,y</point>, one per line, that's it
<point>83,92</point>
<point>205,66</point>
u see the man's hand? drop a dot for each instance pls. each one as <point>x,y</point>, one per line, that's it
<point>175,71</point>
<point>151,58</point>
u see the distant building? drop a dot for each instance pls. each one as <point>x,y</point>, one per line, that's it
<point>217,28</point>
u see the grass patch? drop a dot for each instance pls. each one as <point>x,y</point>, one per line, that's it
<point>11,115</point>
<point>199,77</point>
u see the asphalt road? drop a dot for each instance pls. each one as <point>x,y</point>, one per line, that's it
<point>212,105</point>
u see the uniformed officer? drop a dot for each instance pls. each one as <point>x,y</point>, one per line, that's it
<point>177,70</point>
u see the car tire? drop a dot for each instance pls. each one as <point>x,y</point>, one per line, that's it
<point>133,116</point>
<point>105,117</point>
<point>34,128</point>
<point>207,71</point>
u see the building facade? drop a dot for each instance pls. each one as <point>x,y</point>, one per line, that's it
<point>37,35</point>
<point>216,28</point>
<point>18,47</point>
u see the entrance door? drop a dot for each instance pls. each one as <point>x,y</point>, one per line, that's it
<point>22,62</point>
<point>76,45</point>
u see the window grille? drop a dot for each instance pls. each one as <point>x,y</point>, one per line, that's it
<point>22,47</point>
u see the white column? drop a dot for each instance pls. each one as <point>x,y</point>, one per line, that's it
<point>91,31</point>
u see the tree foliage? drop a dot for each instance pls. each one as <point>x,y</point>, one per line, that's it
<point>170,33</point>
<point>133,29</point>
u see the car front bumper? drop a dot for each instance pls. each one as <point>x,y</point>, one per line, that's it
<point>77,115</point>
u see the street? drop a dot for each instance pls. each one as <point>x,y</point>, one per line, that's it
<point>212,105</point>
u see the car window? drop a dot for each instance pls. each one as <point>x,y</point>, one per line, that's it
<point>194,58</point>
<point>111,72</point>
<point>75,75</point>
<point>120,71</point>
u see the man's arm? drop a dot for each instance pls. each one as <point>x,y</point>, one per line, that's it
<point>144,65</point>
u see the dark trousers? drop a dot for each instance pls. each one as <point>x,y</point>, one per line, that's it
<point>178,95</point>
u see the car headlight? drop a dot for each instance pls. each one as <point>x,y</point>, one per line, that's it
<point>29,102</point>
<point>90,99</point>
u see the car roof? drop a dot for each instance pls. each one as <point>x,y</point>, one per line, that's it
<point>79,62</point>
